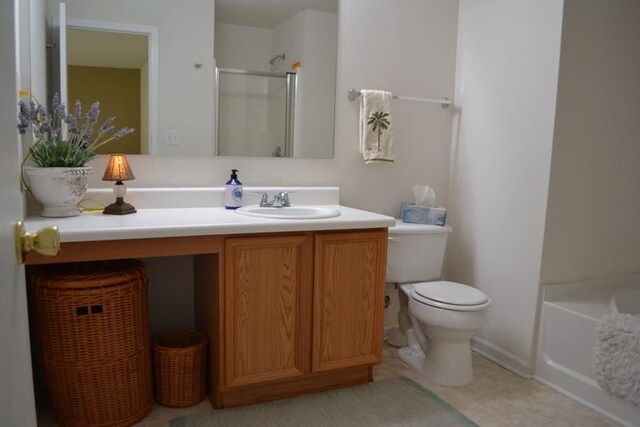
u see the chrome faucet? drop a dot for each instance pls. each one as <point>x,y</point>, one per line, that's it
<point>280,200</point>
<point>264,200</point>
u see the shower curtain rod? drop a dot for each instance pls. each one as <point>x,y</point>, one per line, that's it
<point>444,102</point>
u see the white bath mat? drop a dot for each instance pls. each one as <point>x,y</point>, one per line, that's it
<point>618,356</point>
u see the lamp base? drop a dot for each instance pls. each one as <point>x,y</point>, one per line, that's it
<point>120,207</point>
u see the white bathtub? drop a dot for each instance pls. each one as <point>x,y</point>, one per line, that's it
<point>567,340</point>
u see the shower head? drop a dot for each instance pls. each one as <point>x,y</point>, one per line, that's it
<point>273,60</point>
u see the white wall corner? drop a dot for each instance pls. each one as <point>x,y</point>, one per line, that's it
<point>500,164</point>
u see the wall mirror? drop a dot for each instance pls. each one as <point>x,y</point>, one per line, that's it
<point>268,66</point>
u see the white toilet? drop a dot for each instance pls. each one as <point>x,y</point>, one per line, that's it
<point>437,319</point>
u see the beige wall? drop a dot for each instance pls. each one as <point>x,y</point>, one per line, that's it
<point>316,84</point>
<point>118,90</point>
<point>242,47</point>
<point>593,220</point>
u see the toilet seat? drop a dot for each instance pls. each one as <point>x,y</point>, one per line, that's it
<point>450,296</point>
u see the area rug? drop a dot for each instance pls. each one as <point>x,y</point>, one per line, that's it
<point>617,364</point>
<point>392,402</point>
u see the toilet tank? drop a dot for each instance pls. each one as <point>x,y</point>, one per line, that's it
<point>415,252</point>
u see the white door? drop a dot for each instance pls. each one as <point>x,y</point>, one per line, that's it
<point>17,407</point>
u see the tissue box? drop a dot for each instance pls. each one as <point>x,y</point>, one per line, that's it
<point>423,215</point>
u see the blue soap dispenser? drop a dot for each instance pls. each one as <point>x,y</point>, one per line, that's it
<point>233,191</point>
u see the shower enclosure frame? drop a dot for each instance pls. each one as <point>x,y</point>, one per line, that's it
<point>290,106</point>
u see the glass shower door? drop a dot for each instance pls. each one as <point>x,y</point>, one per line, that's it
<point>255,113</point>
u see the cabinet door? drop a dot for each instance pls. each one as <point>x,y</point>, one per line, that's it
<point>267,295</point>
<point>348,299</point>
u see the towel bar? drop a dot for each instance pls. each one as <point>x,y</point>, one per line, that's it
<point>444,102</point>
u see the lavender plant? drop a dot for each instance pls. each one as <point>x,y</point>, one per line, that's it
<point>51,148</point>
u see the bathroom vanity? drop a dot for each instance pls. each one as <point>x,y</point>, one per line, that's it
<point>289,305</point>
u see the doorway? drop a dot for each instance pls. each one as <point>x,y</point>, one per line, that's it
<point>116,64</point>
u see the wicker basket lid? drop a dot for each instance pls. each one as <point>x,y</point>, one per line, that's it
<point>84,275</point>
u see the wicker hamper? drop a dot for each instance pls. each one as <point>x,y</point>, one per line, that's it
<point>92,320</point>
<point>179,361</point>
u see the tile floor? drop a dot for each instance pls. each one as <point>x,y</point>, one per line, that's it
<point>496,398</point>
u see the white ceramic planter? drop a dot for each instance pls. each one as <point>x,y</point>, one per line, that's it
<point>58,189</point>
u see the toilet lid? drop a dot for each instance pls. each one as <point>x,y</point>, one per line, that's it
<point>450,293</point>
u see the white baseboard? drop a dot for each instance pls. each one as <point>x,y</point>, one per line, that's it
<point>494,353</point>
<point>502,357</point>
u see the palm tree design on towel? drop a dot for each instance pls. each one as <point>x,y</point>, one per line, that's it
<point>380,122</point>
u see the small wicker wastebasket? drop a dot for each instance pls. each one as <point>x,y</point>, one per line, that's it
<point>92,320</point>
<point>179,361</point>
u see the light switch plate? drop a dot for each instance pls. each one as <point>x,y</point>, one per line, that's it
<point>172,137</point>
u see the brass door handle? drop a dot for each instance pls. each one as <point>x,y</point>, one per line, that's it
<point>45,241</point>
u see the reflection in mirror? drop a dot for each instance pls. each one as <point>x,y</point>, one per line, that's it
<point>267,100</point>
<point>181,51</point>
<point>257,116</point>
<point>276,36</point>
<point>111,67</point>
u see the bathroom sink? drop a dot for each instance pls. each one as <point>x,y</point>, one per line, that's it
<point>294,212</point>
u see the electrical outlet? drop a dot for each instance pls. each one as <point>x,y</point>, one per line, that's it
<point>172,137</point>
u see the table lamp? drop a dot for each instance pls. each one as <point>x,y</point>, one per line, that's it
<point>118,170</point>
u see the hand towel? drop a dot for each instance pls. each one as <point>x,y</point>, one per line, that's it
<point>376,126</point>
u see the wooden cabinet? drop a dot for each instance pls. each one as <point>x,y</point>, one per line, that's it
<point>348,307</point>
<point>285,313</point>
<point>300,312</point>
<point>267,304</point>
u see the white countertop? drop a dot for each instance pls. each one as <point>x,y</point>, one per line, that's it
<point>196,221</point>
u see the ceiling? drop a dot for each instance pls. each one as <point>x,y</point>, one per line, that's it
<point>267,13</point>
